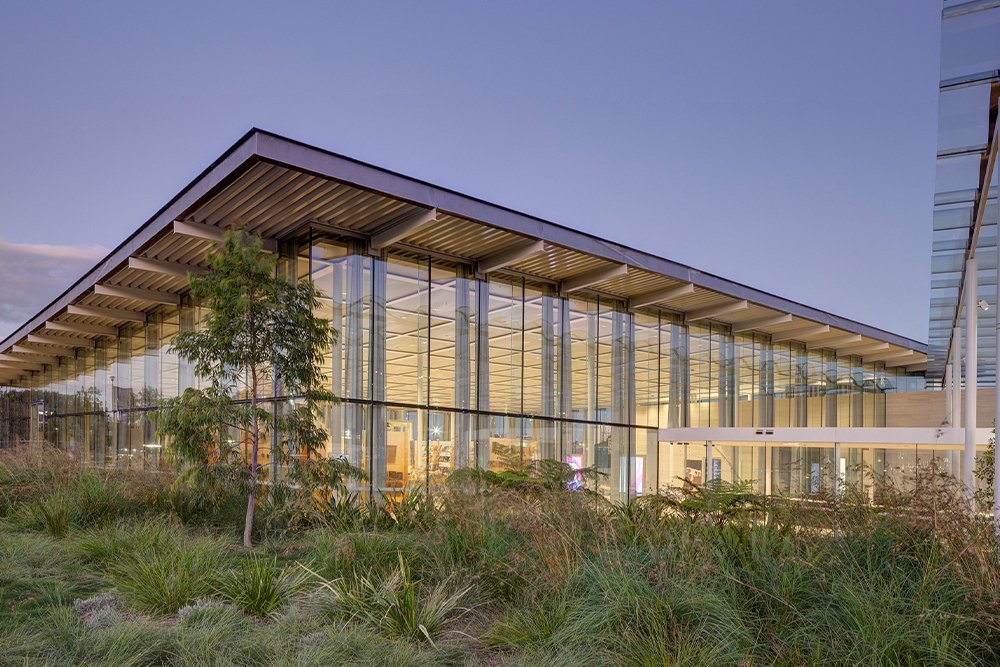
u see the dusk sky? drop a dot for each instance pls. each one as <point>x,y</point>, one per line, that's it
<point>787,145</point>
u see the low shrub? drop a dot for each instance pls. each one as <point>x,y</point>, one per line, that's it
<point>211,495</point>
<point>335,555</point>
<point>396,604</point>
<point>110,544</point>
<point>525,625</point>
<point>362,647</point>
<point>161,581</point>
<point>56,514</point>
<point>258,586</point>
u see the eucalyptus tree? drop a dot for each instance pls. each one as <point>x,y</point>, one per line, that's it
<point>260,331</point>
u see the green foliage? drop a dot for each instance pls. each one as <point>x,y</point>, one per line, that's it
<point>161,581</point>
<point>542,475</point>
<point>985,471</point>
<point>717,501</point>
<point>195,421</point>
<point>395,604</point>
<point>710,576</point>
<point>317,492</point>
<point>56,513</point>
<point>88,498</point>
<point>361,647</point>
<point>113,543</point>
<point>260,330</point>
<point>524,626</point>
<point>259,586</point>
<point>210,495</point>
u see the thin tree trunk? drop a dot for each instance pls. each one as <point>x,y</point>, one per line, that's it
<point>254,443</point>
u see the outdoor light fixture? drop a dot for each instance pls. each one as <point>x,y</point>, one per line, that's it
<point>984,305</point>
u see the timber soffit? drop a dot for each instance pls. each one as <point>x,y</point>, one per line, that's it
<point>259,146</point>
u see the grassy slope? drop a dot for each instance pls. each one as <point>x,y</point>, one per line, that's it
<point>512,574</point>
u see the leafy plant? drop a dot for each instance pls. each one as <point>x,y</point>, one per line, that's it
<point>317,492</point>
<point>717,501</point>
<point>260,328</point>
<point>395,604</point>
<point>259,586</point>
<point>985,472</point>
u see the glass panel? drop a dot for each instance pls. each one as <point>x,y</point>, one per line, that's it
<point>963,117</point>
<point>957,173</point>
<point>540,321</point>
<point>169,362</point>
<point>969,44</point>
<point>646,369</point>
<point>406,331</point>
<point>505,338</point>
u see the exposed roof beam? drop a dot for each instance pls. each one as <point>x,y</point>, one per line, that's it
<point>800,334</point>
<point>897,354</point>
<point>715,311</point>
<point>910,361</point>
<point>167,268</point>
<point>508,256</point>
<point>28,367</point>
<point>32,358</point>
<point>80,328</point>
<point>399,230</point>
<point>836,342</point>
<point>61,352</point>
<point>200,230</point>
<point>149,296</point>
<point>589,278</point>
<point>659,295</point>
<point>107,313</point>
<point>864,348</point>
<point>18,361</point>
<point>71,343</point>
<point>763,323</point>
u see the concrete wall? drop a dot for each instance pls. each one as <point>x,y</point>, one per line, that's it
<point>926,408</point>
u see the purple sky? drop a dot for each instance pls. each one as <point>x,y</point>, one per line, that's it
<point>788,145</point>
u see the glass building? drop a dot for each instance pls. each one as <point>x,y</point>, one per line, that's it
<point>471,335</point>
<point>970,75</point>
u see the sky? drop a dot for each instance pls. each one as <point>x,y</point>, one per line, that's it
<point>784,144</point>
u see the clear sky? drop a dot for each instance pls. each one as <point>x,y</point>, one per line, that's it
<point>785,144</point>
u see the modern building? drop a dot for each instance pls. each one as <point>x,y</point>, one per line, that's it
<point>475,335</point>
<point>965,221</point>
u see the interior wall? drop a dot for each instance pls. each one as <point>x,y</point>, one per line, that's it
<point>927,408</point>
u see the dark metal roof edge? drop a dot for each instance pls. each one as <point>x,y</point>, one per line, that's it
<point>298,155</point>
<point>261,144</point>
<point>968,8</point>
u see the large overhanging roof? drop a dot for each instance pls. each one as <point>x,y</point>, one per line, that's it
<point>273,187</point>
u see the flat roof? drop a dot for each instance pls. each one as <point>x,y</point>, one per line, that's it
<point>274,186</point>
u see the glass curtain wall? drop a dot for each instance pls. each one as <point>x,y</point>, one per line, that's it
<point>438,369</point>
<point>969,86</point>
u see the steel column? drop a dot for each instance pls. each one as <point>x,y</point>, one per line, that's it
<point>971,378</point>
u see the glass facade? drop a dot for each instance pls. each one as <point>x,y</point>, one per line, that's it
<point>439,369</point>
<point>970,60</point>
<point>803,469</point>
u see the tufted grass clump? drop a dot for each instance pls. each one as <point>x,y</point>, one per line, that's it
<point>396,604</point>
<point>161,581</point>
<point>259,586</point>
<point>497,569</point>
